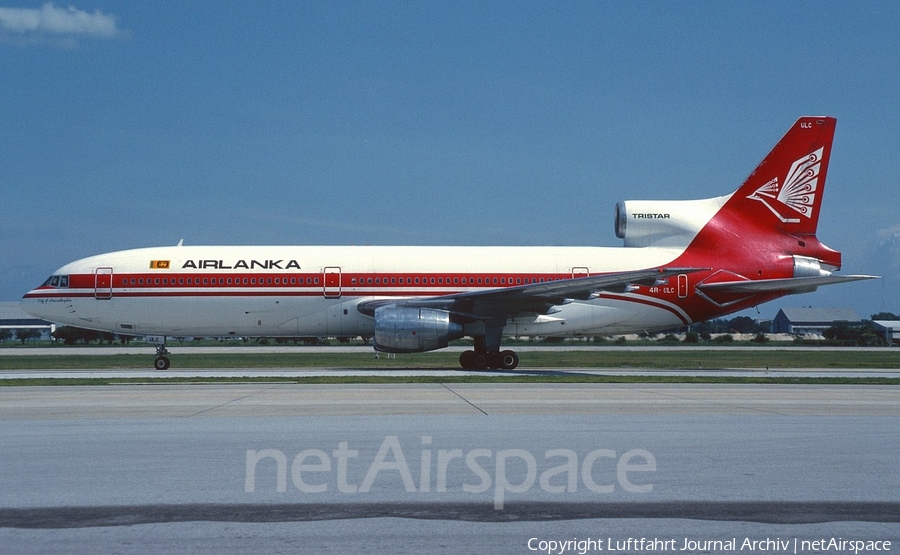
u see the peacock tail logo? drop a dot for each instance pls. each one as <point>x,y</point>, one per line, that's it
<point>798,192</point>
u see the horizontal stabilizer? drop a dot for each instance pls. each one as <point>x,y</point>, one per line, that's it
<point>789,285</point>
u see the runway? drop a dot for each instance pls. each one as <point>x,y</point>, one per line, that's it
<point>459,399</point>
<point>443,468</point>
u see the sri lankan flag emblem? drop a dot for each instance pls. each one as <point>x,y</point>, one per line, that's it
<point>159,264</point>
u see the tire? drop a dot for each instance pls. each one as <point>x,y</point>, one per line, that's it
<point>161,363</point>
<point>467,359</point>
<point>481,361</point>
<point>508,360</point>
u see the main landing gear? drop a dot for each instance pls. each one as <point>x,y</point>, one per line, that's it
<point>487,353</point>
<point>483,360</point>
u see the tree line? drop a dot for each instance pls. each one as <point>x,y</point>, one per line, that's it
<point>841,333</point>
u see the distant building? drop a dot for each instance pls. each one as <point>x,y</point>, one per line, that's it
<point>812,321</point>
<point>12,318</point>
<point>890,329</point>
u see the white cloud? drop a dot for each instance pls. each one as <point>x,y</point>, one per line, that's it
<point>52,22</point>
<point>889,244</point>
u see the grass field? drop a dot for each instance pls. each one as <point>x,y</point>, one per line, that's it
<point>651,358</point>
<point>542,360</point>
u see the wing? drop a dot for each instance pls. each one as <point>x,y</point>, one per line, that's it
<point>535,298</point>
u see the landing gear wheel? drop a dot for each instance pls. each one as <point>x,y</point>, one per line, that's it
<point>508,360</point>
<point>161,363</point>
<point>467,359</point>
<point>481,361</point>
<point>474,360</point>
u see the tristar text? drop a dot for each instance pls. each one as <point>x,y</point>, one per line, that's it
<point>242,265</point>
<point>650,216</point>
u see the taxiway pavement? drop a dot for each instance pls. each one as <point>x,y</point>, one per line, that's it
<point>443,468</point>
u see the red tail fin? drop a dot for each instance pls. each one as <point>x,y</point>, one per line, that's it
<point>785,190</point>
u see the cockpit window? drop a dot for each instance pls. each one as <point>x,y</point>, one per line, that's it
<point>57,281</point>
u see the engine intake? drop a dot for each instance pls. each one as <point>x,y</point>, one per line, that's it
<point>401,329</point>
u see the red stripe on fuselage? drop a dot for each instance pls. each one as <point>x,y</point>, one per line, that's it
<point>351,281</point>
<point>647,301</point>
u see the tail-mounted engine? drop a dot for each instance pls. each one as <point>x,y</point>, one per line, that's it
<point>401,329</point>
<point>805,267</point>
<point>663,223</point>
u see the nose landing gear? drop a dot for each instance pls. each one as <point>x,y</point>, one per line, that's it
<point>161,362</point>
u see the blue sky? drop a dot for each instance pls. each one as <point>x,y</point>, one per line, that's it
<point>514,123</point>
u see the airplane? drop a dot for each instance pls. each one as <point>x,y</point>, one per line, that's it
<point>683,261</point>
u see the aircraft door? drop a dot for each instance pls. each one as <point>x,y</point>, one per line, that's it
<point>331,276</point>
<point>103,278</point>
<point>579,272</point>
<point>682,286</point>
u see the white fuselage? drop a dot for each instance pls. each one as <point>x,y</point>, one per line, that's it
<point>314,291</point>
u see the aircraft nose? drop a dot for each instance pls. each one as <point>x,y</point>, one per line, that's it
<point>30,306</point>
<point>39,308</point>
